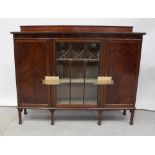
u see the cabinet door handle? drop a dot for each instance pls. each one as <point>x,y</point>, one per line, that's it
<point>104,80</point>
<point>51,80</point>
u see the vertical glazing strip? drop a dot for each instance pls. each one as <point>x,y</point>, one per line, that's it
<point>84,77</point>
<point>70,73</point>
<point>99,87</point>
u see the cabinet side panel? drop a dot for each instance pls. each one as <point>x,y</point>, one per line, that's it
<point>32,64</point>
<point>123,59</point>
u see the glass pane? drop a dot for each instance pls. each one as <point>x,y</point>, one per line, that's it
<point>63,90</point>
<point>92,69</point>
<point>77,68</point>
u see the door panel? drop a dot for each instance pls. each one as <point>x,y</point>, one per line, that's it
<point>122,63</point>
<point>32,58</point>
<point>77,65</point>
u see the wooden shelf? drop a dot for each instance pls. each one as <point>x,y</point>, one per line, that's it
<point>75,106</point>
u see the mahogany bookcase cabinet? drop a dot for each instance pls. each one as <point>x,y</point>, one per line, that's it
<point>77,68</point>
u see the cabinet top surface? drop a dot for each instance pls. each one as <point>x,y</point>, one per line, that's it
<point>47,32</point>
<point>76,29</point>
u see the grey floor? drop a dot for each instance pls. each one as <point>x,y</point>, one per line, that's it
<point>78,123</point>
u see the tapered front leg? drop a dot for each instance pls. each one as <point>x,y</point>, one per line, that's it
<point>124,112</point>
<point>99,117</point>
<point>20,115</point>
<point>132,111</point>
<point>25,111</point>
<point>52,117</point>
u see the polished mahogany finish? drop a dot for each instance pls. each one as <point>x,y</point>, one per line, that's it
<point>68,28</point>
<point>39,51</point>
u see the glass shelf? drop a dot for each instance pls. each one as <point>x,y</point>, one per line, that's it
<point>78,81</point>
<point>72,59</point>
<point>87,81</point>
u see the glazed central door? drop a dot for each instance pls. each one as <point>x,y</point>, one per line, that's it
<point>77,65</point>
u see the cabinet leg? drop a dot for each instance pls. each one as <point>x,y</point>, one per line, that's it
<point>25,111</point>
<point>52,117</point>
<point>132,111</point>
<point>20,115</point>
<point>124,112</point>
<point>99,117</point>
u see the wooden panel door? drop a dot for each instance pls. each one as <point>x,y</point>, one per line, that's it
<point>32,59</point>
<point>122,63</point>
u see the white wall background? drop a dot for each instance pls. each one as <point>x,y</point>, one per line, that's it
<point>146,87</point>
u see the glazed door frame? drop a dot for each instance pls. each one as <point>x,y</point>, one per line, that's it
<point>76,40</point>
